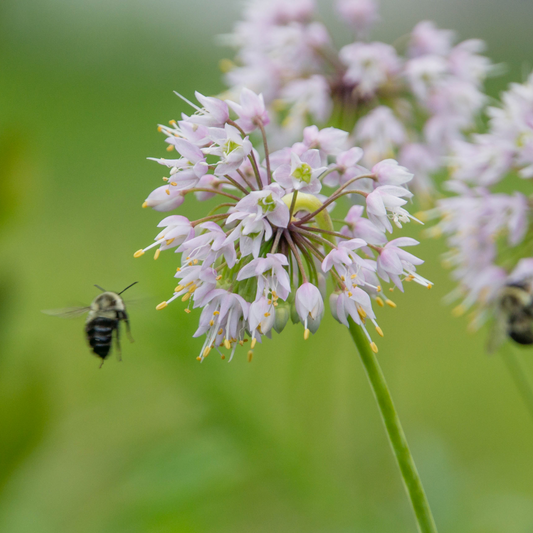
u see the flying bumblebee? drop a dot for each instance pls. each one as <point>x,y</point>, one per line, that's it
<point>514,314</point>
<point>105,314</point>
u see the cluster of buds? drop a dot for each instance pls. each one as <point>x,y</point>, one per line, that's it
<point>410,106</point>
<point>262,255</point>
<point>489,232</point>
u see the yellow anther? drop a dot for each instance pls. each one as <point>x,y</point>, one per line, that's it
<point>173,183</point>
<point>172,122</point>
<point>169,241</point>
<point>269,302</point>
<point>159,129</point>
<point>211,323</point>
<point>274,294</point>
<point>179,288</point>
<point>178,269</point>
<point>378,288</point>
<point>165,179</point>
<point>254,341</point>
<point>380,331</point>
<point>219,277</point>
<point>227,344</point>
<point>267,315</point>
<point>250,355</point>
<point>391,289</point>
<point>170,147</point>
<point>162,305</point>
<point>374,347</point>
<point>220,331</point>
<point>390,303</point>
<point>195,261</point>
<point>193,288</point>
<point>198,358</point>
<point>380,302</point>
<point>222,356</point>
<point>187,310</point>
<point>343,278</point>
<point>362,312</point>
<point>353,276</point>
<point>241,343</point>
<point>186,296</point>
<point>276,304</point>
<point>138,253</point>
<point>410,277</point>
<point>157,252</point>
<point>459,310</point>
<point>167,191</point>
<point>430,286</point>
<point>206,351</point>
<point>349,293</point>
<point>216,313</point>
<point>306,333</point>
<point>145,204</point>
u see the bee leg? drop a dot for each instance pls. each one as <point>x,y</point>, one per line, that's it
<point>128,330</point>
<point>117,342</point>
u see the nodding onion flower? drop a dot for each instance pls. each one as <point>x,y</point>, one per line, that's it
<point>487,218</point>
<point>409,102</point>
<point>262,255</point>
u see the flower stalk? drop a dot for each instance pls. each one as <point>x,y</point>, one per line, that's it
<point>397,440</point>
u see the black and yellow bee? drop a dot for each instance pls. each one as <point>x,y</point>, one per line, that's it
<point>106,312</point>
<point>514,315</point>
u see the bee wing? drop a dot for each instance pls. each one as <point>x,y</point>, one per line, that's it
<point>66,312</point>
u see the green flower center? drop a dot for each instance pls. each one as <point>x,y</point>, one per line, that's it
<point>231,146</point>
<point>303,173</point>
<point>267,203</point>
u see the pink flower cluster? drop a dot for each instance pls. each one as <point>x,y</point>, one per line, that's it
<point>263,254</point>
<point>412,107</point>
<point>489,232</point>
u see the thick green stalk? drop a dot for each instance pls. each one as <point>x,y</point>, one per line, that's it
<point>398,442</point>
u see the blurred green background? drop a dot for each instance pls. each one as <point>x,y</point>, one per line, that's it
<point>159,443</point>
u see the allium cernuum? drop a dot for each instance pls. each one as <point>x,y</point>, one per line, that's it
<point>263,253</point>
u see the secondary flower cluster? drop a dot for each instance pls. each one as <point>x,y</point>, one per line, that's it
<point>489,232</point>
<point>412,107</point>
<point>263,254</point>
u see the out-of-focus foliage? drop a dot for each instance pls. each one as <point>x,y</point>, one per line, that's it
<point>159,443</point>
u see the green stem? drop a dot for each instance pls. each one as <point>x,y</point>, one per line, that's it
<point>398,442</point>
<point>518,374</point>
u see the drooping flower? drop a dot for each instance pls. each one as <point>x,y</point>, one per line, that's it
<point>266,256</point>
<point>429,97</point>
<point>488,232</point>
